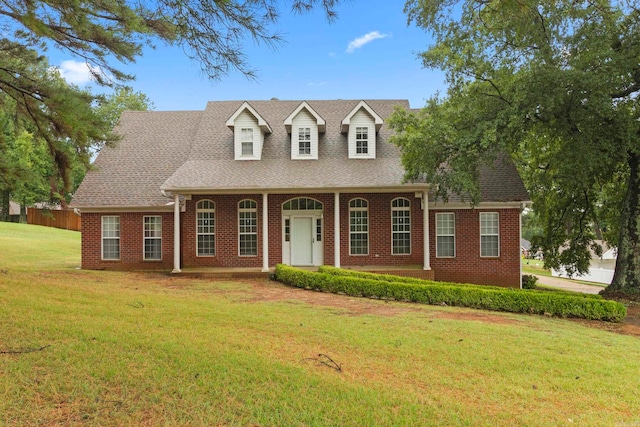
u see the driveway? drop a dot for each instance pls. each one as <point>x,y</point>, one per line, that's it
<point>569,285</point>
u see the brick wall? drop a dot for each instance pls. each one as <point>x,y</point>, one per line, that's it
<point>467,266</point>
<point>131,243</point>
<point>380,231</point>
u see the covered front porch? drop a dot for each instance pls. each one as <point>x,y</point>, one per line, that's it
<point>386,230</point>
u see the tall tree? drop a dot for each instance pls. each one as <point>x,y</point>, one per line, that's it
<point>107,32</point>
<point>28,173</point>
<point>554,83</point>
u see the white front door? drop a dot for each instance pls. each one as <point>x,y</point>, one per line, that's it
<point>302,241</point>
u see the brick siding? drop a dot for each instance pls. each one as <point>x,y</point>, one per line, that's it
<point>131,242</point>
<point>467,266</point>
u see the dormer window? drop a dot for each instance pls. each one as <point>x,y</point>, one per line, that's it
<point>304,125</point>
<point>361,126</point>
<point>246,141</point>
<point>304,141</point>
<point>362,140</point>
<point>249,130</point>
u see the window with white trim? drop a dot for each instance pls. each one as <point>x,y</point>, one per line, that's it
<point>400,226</point>
<point>153,237</point>
<point>445,235</point>
<point>247,228</point>
<point>246,141</point>
<point>489,234</point>
<point>110,237</point>
<point>358,227</point>
<point>206,228</point>
<point>362,140</point>
<point>304,141</point>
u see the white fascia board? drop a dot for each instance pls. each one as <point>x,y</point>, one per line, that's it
<point>408,188</point>
<point>132,209</point>
<point>320,121</point>
<point>264,126</point>
<point>376,118</point>
<point>482,205</point>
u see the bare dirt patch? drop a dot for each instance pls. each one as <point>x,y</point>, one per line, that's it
<point>265,290</point>
<point>271,291</point>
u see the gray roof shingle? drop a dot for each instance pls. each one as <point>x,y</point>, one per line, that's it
<point>194,151</point>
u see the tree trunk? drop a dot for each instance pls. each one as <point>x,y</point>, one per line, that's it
<point>23,212</point>
<point>4,209</point>
<point>626,279</point>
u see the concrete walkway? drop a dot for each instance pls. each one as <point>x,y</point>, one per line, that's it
<point>569,285</point>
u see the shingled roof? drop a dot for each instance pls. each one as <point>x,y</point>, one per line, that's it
<point>193,152</point>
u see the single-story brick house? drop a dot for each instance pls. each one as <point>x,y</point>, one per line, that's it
<point>306,183</point>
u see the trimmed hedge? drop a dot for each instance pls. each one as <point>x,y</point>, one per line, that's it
<point>403,279</point>
<point>489,298</point>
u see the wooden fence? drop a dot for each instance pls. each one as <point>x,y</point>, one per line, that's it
<point>66,219</point>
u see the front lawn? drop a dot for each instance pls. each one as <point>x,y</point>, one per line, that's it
<point>115,349</point>
<point>534,266</point>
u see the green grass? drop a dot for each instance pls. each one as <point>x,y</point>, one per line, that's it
<point>145,349</point>
<point>534,266</point>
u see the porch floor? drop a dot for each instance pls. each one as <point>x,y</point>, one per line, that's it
<point>257,273</point>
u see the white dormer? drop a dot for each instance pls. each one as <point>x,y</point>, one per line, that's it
<point>361,126</point>
<point>304,125</point>
<point>249,129</point>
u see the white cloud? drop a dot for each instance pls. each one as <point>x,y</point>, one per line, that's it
<point>316,84</point>
<point>362,40</point>
<point>77,72</point>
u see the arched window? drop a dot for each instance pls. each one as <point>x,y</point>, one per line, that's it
<point>247,228</point>
<point>302,204</point>
<point>400,226</point>
<point>206,228</point>
<point>358,227</point>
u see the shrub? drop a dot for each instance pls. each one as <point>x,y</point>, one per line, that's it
<point>423,282</point>
<point>529,281</point>
<point>489,298</point>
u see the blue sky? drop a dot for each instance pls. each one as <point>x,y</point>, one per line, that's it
<point>367,53</point>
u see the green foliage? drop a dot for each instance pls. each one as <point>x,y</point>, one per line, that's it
<point>422,282</point>
<point>529,281</point>
<point>30,167</point>
<point>531,225</point>
<point>515,301</point>
<point>42,103</point>
<point>554,84</point>
<point>123,98</point>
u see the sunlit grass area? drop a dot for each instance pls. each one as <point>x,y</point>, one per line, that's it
<point>534,266</point>
<point>110,349</point>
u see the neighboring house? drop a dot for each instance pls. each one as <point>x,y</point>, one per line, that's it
<point>253,184</point>
<point>14,212</point>
<point>601,268</point>
<point>525,247</point>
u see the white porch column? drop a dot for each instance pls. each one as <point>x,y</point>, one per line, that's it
<point>176,233</point>
<point>425,229</point>
<point>265,233</point>
<point>336,230</point>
